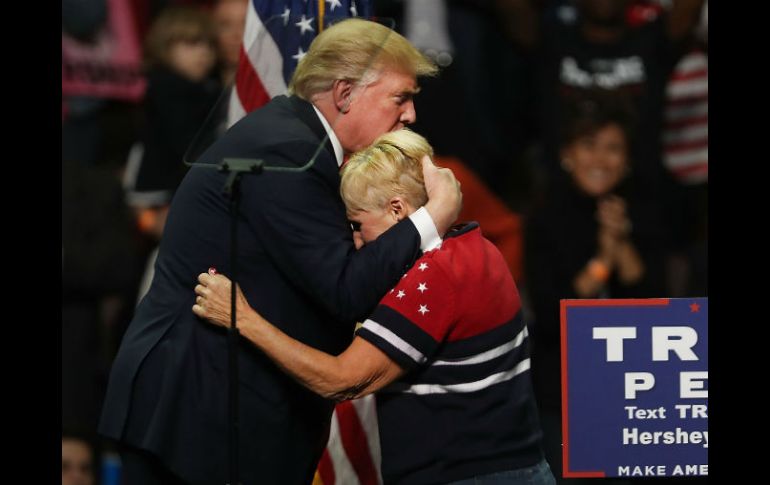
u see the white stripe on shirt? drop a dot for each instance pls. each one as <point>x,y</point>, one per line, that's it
<point>489,381</point>
<point>489,354</point>
<point>394,340</point>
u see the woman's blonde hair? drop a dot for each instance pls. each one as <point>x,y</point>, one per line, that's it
<point>390,167</point>
<point>355,50</point>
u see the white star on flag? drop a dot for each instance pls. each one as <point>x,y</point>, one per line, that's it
<point>333,3</point>
<point>422,287</point>
<point>423,266</point>
<point>299,55</point>
<point>304,24</point>
<point>353,10</point>
<point>400,294</point>
<point>423,309</point>
<point>285,16</point>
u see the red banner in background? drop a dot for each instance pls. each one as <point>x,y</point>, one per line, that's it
<point>110,67</point>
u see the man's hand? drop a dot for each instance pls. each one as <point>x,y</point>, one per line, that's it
<point>444,196</point>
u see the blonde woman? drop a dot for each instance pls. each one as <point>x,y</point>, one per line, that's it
<point>446,348</point>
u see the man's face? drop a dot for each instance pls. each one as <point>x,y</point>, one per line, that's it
<point>377,108</point>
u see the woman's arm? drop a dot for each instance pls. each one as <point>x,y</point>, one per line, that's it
<point>360,370</point>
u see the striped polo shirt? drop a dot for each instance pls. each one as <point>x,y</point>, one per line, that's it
<point>465,406</point>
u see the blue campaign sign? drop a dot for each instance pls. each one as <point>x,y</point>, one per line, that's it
<point>635,387</point>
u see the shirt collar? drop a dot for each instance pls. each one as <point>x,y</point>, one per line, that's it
<point>335,141</point>
<point>434,245</point>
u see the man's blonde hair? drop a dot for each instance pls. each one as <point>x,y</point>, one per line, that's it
<point>355,50</point>
<point>390,167</point>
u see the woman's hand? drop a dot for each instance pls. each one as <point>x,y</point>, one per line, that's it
<point>213,300</point>
<point>613,218</point>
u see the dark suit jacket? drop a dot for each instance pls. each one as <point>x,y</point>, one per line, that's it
<point>297,265</point>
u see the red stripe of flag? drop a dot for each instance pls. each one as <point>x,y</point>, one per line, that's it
<point>700,120</point>
<point>686,146</point>
<point>326,468</point>
<point>251,92</point>
<point>689,170</point>
<point>354,441</point>
<point>688,98</point>
<point>682,76</point>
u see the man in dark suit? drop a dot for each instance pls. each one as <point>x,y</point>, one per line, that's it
<point>167,396</point>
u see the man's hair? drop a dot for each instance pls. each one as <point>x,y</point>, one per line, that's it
<point>390,167</point>
<point>355,50</point>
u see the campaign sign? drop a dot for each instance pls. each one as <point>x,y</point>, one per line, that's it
<point>635,387</point>
<point>108,67</point>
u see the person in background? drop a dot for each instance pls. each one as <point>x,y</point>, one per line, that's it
<point>77,460</point>
<point>229,21</point>
<point>180,56</point>
<point>587,239</point>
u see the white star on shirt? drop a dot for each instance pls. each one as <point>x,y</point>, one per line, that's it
<point>353,10</point>
<point>423,309</point>
<point>285,16</point>
<point>299,55</point>
<point>423,266</point>
<point>392,290</point>
<point>400,294</point>
<point>422,287</point>
<point>304,24</point>
<point>333,3</point>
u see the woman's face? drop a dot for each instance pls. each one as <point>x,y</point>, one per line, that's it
<point>369,225</point>
<point>597,162</point>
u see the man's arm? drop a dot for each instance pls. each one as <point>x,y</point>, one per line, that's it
<point>360,370</point>
<point>445,200</point>
<point>301,221</point>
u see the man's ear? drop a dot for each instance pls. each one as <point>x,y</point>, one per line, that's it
<point>397,207</point>
<point>342,90</point>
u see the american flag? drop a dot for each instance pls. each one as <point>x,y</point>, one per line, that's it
<point>276,36</point>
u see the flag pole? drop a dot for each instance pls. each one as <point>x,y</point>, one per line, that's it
<point>320,16</point>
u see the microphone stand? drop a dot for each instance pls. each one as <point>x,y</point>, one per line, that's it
<point>235,168</point>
